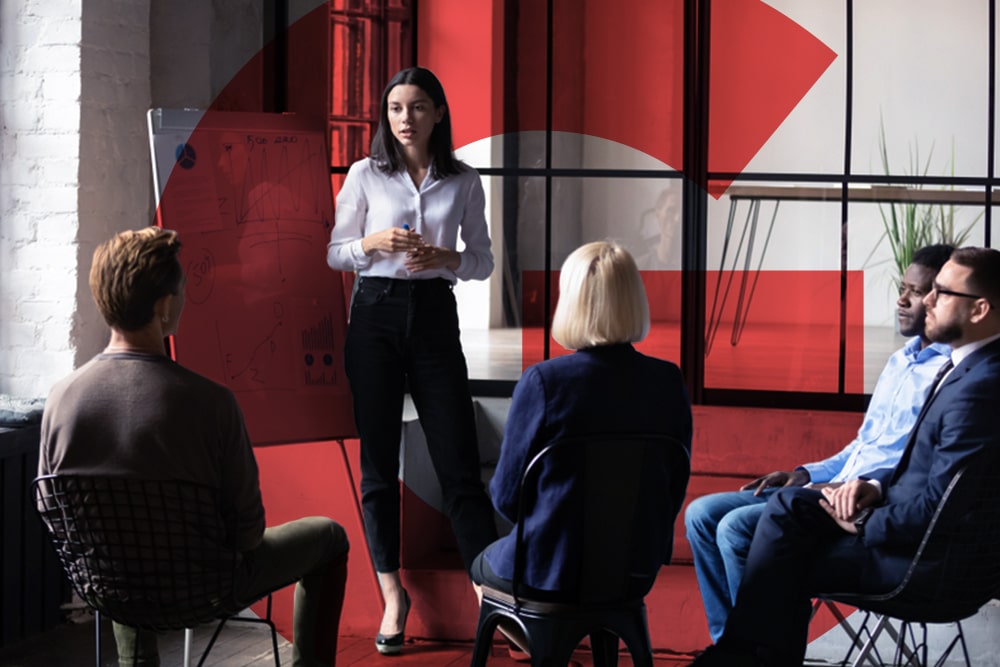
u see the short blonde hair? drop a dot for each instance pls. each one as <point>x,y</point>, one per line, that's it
<point>131,271</point>
<point>601,298</point>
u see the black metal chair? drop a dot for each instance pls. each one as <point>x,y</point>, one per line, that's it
<point>965,544</point>
<point>620,473</point>
<point>860,635</point>
<point>145,553</point>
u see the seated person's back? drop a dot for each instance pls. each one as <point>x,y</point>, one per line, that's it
<point>139,415</point>
<point>606,387</point>
<point>133,412</point>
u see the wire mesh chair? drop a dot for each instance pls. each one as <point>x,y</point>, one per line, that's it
<point>145,553</point>
<point>619,474</point>
<point>954,572</point>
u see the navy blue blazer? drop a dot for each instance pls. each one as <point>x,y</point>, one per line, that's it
<point>957,428</point>
<point>606,389</point>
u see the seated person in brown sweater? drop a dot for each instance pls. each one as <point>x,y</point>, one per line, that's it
<point>132,411</point>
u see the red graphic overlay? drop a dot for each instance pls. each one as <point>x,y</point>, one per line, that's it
<point>251,202</point>
<point>762,65</point>
<point>618,72</point>
<point>788,341</point>
<point>617,75</point>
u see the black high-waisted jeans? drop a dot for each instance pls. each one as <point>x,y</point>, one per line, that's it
<point>407,330</point>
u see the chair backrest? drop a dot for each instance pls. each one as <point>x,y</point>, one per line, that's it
<point>146,553</point>
<point>956,569</point>
<point>633,486</point>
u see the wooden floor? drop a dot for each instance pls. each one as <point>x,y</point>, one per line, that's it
<point>249,645</point>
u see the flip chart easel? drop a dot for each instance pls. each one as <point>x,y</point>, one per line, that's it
<point>251,198</point>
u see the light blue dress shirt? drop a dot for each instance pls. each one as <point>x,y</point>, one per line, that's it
<point>899,394</point>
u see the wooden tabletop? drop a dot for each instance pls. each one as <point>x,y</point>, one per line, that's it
<point>874,193</point>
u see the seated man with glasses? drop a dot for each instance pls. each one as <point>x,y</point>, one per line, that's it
<point>861,536</point>
<point>720,526</point>
<point>937,289</point>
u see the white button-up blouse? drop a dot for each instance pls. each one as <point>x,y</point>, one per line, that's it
<point>371,201</point>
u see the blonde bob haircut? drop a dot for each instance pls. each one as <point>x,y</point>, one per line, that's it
<point>601,298</point>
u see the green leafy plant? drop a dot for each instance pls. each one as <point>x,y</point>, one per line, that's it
<point>908,226</point>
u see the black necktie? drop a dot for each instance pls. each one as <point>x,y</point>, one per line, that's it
<point>937,378</point>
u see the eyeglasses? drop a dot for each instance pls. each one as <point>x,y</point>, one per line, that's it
<point>937,289</point>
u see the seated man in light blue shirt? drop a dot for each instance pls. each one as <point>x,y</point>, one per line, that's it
<point>720,526</point>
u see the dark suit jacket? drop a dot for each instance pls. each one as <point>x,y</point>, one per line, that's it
<point>601,390</point>
<point>798,551</point>
<point>957,428</point>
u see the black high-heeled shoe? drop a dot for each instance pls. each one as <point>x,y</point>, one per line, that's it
<point>393,644</point>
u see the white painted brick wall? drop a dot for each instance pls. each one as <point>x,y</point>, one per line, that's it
<point>39,144</point>
<point>74,169</point>
<point>51,10</point>
<point>75,82</point>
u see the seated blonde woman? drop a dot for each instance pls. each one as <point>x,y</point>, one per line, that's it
<point>604,387</point>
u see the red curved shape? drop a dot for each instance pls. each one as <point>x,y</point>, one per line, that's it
<point>617,72</point>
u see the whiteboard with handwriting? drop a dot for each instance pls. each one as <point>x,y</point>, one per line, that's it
<point>250,197</point>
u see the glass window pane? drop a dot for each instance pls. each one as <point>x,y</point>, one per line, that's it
<point>879,215</point>
<point>354,90</point>
<point>800,289</point>
<point>641,214</point>
<point>921,71</point>
<point>349,142</point>
<point>777,78</point>
<point>774,292</point>
<point>488,310</point>
<point>617,74</point>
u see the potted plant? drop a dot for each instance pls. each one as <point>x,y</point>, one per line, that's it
<point>909,226</point>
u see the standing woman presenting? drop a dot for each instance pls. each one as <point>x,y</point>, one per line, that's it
<point>399,214</point>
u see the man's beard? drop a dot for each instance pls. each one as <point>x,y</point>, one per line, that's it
<point>944,333</point>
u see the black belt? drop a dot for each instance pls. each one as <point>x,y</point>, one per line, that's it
<point>392,284</point>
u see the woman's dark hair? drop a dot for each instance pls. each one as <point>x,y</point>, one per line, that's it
<point>385,148</point>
